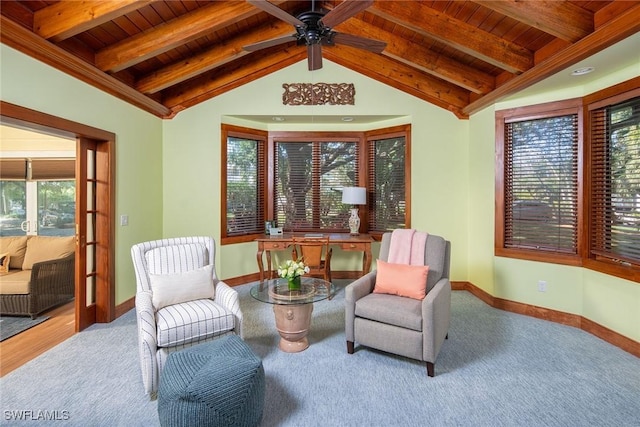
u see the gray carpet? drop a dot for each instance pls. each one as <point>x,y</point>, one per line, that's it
<point>496,369</point>
<point>13,325</point>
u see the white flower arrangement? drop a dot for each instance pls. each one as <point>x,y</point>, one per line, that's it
<point>292,269</point>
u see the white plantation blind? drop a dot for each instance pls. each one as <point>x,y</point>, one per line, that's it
<point>541,184</point>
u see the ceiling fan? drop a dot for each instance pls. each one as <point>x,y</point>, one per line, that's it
<point>314,29</point>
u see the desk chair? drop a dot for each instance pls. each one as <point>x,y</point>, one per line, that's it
<point>316,254</point>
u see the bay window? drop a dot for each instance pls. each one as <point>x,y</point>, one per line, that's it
<point>568,181</point>
<point>295,179</point>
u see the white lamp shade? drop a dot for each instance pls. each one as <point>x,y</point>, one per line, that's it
<point>354,195</point>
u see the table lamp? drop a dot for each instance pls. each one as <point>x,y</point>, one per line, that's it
<point>354,196</point>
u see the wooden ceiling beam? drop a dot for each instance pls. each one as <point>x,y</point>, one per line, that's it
<point>422,58</point>
<point>401,77</point>
<point>624,25</point>
<point>215,57</point>
<point>67,18</point>
<point>231,76</point>
<point>455,33</point>
<point>29,43</point>
<point>562,19</point>
<point>174,33</point>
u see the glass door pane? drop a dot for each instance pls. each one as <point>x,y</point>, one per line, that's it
<point>56,208</point>
<point>13,208</point>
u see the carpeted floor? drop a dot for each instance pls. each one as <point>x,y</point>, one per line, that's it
<point>496,369</point>
<point>13,325</point>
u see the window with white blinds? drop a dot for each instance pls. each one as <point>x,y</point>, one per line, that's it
<point>541,184</point>
<point>615,181</point>
<point>309,177</point>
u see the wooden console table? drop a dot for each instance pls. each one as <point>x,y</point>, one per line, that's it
<point>347,242</point>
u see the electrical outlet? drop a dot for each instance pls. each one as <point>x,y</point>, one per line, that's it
<point>542,286</point>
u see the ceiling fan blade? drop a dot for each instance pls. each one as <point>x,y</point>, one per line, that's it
<point>344,11</point>
<point>276,11</point>
<point>371,45</point>
<point>314,56</point>
<point>269,43</point>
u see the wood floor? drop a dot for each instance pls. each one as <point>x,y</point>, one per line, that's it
<point>19,349</point>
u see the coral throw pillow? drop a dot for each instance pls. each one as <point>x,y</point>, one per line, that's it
<point>401,279</point>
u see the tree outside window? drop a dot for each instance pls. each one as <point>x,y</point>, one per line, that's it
<point>537,182</point>
<point>244,201</point>
<point>615,178</point>
<point>387,182</point>
<point>309,180</point>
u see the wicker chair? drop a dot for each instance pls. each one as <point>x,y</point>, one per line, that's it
<point>52,283</point>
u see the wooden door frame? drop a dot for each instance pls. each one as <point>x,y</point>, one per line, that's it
<point>103,311</point>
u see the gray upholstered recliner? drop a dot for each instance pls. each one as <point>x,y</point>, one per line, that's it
<point>178,326</point>
<point>405,326</point>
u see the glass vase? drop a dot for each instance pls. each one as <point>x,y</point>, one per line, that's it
<point>295,283</point>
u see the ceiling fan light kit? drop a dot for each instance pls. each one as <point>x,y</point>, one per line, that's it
<point>314,29</point>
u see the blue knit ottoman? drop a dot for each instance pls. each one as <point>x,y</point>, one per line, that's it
<point>218,383</point>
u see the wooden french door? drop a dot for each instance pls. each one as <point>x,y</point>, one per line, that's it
<point>95,301</point>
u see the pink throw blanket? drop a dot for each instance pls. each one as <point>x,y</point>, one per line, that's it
<point>407,246</point>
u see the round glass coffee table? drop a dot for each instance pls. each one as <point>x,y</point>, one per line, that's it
<point>293,309</point>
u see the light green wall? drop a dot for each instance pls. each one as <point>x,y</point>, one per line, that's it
<point>32,84</point>
<point>609,301</point>
<point>480,193</point>
<point>192,159</point>
<point>176,190</point>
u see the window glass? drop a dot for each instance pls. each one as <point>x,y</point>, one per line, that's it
<point>13,208</point>
<point>245,210</point>
<point>615,213</point>
<point>294,180</point>
<point>309,177</point>
<point>387,195</point>
<point>541,184</point>
<point>45,208</point>
<point>56,208</point>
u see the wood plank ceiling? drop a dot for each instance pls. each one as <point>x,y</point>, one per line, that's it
<point>166,56</point>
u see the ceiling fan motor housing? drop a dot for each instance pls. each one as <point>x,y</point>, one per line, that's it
<point>313,32</point>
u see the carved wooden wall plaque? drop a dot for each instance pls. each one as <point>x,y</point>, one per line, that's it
<point>318,94</point>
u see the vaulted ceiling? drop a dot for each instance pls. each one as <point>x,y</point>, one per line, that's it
<point>166,56</point>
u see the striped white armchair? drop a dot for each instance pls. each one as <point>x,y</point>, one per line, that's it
<point>179,315</point>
